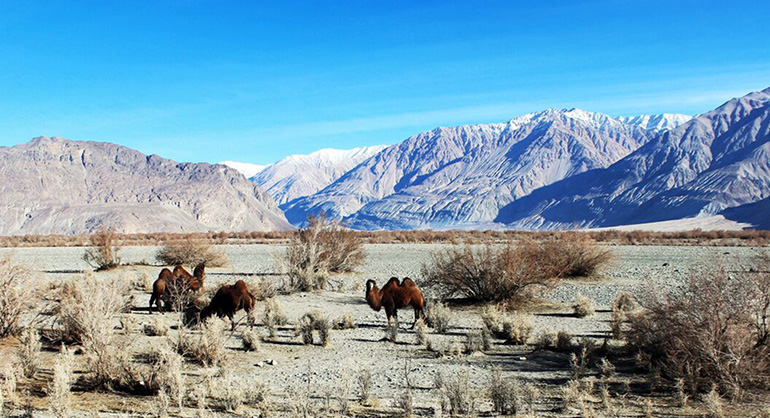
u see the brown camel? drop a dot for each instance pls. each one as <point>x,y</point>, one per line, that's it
<point>228,300</point>
<point>179,280</point>
<point>395,295</point>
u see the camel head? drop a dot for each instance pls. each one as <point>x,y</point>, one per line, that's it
<point>373,296</point>
<point>200,272</point>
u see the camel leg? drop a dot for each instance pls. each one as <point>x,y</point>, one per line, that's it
<point>416,316</point>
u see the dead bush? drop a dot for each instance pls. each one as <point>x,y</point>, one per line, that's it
<point>323,247</point>
<point>346,322</point>
<point>207,347</point>
<point>190,250</point>
<point>474,342</point>
<point>518,328</point>
<point>364,380</point>
<point>250,340</point>
<point>103,254</point>
<point>583,306</point>
<point>576,254</point>
<point>459,399</point>
<point>504,394</point>
<point>564,341</point>
<point>439,316</point>
<point>714,331</point>
<point>492,273</point>
<point>167,373</point>
<point>421,333</point>
<point>29,351</point>
<point>233,391</point>
<point>314,321</point>
<point>17,295</point>
<point>156,328</point>
<point>273,316</point>
<point>61,384</point>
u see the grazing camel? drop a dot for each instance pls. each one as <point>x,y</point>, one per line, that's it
<point>179,280</point>
<point>228,300</point>
<point>395,295</point>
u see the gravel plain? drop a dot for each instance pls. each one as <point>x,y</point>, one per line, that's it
<point>284,362</point>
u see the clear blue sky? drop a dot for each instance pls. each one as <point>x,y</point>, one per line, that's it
<point>255,81</point>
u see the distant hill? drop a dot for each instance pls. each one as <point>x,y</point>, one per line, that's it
<point>58,186</point>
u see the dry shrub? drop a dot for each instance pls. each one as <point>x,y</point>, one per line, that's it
<point>564,341</point>
<point>491,273</point>
<point>9,378</point>
<point>29,351</point>
<point>189,250</point>
<point>87,313</point>
<point>509,397</point>
<point>233,391</point>
<point>250,340</point>
<point>167,373</point>
<point>314,321</point>
<point>346,322</point>
<point>714,403</point>
<point>474,342</point>
<point>458,398</point>
<point>606,368</point>
<point>61,384</point>
<point>576,254</point>
<point>545,340</point>
<point>273,316</point>
<point>156,328</point>
<point>207,347</point>
<point>439,316</point>
<point>17,294</point>
<point>323,247</point>
<point>421,333</point>
<point>625,302</point>
<point>103,254</point>
<point>391,331</point>
<point>364,380</point>
<point>518,328</point>
<point>714,331</point>
<point>583,306</point>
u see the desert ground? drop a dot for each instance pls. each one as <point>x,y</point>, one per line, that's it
<point>291,371</point>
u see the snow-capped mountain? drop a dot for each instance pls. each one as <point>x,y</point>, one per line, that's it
<point>450,177</point>
<point>656,123</point>
<point>716,161</point>
<point>301,175</point>
<point>247,169</point>
<point>58,186</point>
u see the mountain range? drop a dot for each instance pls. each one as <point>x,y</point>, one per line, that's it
<point>58,186</point>
<point>558,168</point>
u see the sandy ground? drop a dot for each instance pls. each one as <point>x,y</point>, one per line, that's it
<point>285,362</point>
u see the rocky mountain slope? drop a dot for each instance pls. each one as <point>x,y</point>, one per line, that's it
<point>716,161</point>
<point>58,186</point>
<point>450,177</point>
<point>301,175</point>
<point>247,169</point>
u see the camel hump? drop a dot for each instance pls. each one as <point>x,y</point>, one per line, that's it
<point>165,274</point>
<point>199,270</point>
<point>407,282</point>
<point>393,282</point>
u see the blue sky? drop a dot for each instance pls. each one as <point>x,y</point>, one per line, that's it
<point>256,81</point>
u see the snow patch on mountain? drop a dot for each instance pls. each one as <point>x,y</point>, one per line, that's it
<point>247,169</point>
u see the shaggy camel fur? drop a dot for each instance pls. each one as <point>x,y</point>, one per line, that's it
<point>395,295</point>
<point>228,300</point>
<point>179,280</point>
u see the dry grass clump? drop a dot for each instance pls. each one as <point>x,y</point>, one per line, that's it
<point>563,341</point>
<point>314,321</point>
<point>188,250</point>
<point>156,328</point>
<point>364,380</point>
<point>167,375</point>
<point>391,331</point>
<point>421,333</point>
<point>509,397</point>
<point>17,293</point>
<point>346,322</point>
<point>583,306</point>
<point>438,316</point>
<point>207,347</point>
<point>250,340</point>
<point>576,254</point>
<point>514,329</point>
<point>103,254</point>
<point>273,316</point>
<point>232,392</point>
<point>9,378</point>
<point>323,247</point>
<point>61,384</point>
<point>458,398</point>
<point>29,351</point>
<point>715,331</point>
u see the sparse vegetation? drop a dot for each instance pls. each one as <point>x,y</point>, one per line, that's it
<point>439,316</point>
<point>273,316</point>
<point>583,306</point>
<point>364,380</point>
<point>17,292</point>
<point>514,329</point>
<point>208,347</point>
<point>712,332</point>
<point>29,351</point>
<point>61,384</point>
<point>346,322</point>
<point>189,250</point>
<point>421,332</point>
<point>156,327</point>
<point>250,340</point>
<point>314,321</point>
<point>322,248</point>
<point>103,254</point>
<point>459,399</point>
